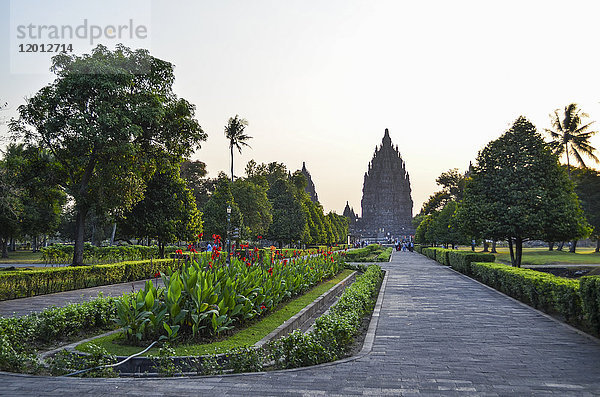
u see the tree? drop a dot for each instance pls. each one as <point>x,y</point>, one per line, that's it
<point>255,207</point>
<point>453,185</point>
<point>518,191</point>
<point>167,213</point>
<point>234,131</point>
<point>215,210</point>
<point>33,169</point>
<point>108,119</point>
<point>288,217</point>
<point>587,187</point>
<point>570,136</point>
<point>11,207</point>
<point>443,227</point>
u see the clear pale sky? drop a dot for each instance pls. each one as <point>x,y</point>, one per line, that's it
<point>319,81</point>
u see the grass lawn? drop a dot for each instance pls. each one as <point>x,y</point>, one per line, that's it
<point>243,337</point>
<point>541,256</point>
<point>18,257</point>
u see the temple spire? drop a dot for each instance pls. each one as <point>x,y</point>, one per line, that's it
<point>386,141</point>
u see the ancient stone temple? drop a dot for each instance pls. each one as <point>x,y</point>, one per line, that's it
<point>386,202</point>
<point>310,186</point>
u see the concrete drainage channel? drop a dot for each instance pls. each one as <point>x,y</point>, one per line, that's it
<point>303,320</point>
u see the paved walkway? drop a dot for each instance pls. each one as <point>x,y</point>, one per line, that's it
<point>23,306</point>
<point>439,333</point>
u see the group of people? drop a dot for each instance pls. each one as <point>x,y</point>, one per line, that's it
<point>404,245</point>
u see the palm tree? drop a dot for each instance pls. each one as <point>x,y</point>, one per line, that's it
<point>234,131</point>
<point>570,137</point>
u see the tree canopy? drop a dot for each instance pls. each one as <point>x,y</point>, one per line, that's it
<point>518,191</point>
<point>109,118</point>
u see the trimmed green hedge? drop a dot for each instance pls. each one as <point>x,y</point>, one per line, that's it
<point>63,254</point>
<point>546,292</point>
<point>41,281</point>
<point>589,290</point>
<point>21,336</point>
<point>461,260</point>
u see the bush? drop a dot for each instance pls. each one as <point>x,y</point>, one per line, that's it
<point>552,294</point>
<point>20,336</point>
<point>461,260</point>
<point>334,332</point>
<point>590,298</point>
<point>63,254</point>
<point>25,283</point>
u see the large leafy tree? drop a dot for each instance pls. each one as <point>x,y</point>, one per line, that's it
<point>234,132</point>
<point>443,228</point>
<point>108,119</point>
<point>254,205</point>
<point>288,216</point>
<point>452,183</point>
<point>587,187</point>
<point>11,206</point>
<point>33,169</point>
<point>167,213</point>
<point>518,191</point>
<point>194,173</point>
<point>215,210</point>
<point>571,136</point>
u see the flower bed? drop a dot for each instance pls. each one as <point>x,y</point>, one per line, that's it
<point>206,297</point>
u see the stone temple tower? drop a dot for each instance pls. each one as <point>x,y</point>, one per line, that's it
<point>386,202</point>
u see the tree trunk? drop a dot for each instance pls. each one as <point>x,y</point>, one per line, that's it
<point>34,244</point>
<point>598,245</point>
<point>560,246</point>
<point>486,246</point>
<point>161,249</point>
<point>518,250</point>
<point>493,251</point>
<point>112,236</point>
<point>551,246</point>
<point>231,163</point>
<point>4,244</point>
<point>13,245</point>
<point>79,237</point>
<point>512,252</point>
<point>573,246</point>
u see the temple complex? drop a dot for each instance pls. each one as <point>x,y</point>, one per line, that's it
<point>386,202</point>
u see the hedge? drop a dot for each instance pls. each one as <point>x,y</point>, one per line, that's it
<point>546,292</point>
<point>21,336</point>
<point>63,254</point>
<point>589,290</point>
<point>461,260</point>
<point>25,283</point>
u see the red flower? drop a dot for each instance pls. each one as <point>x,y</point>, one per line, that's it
<point>284,262</point>
<point>263,307</point>
<point>157,274</point>
<point>270,271</point>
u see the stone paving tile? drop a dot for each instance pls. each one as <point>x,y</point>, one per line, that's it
<point>439,333</point>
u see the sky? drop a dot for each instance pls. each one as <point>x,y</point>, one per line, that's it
<point>319,81</point>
